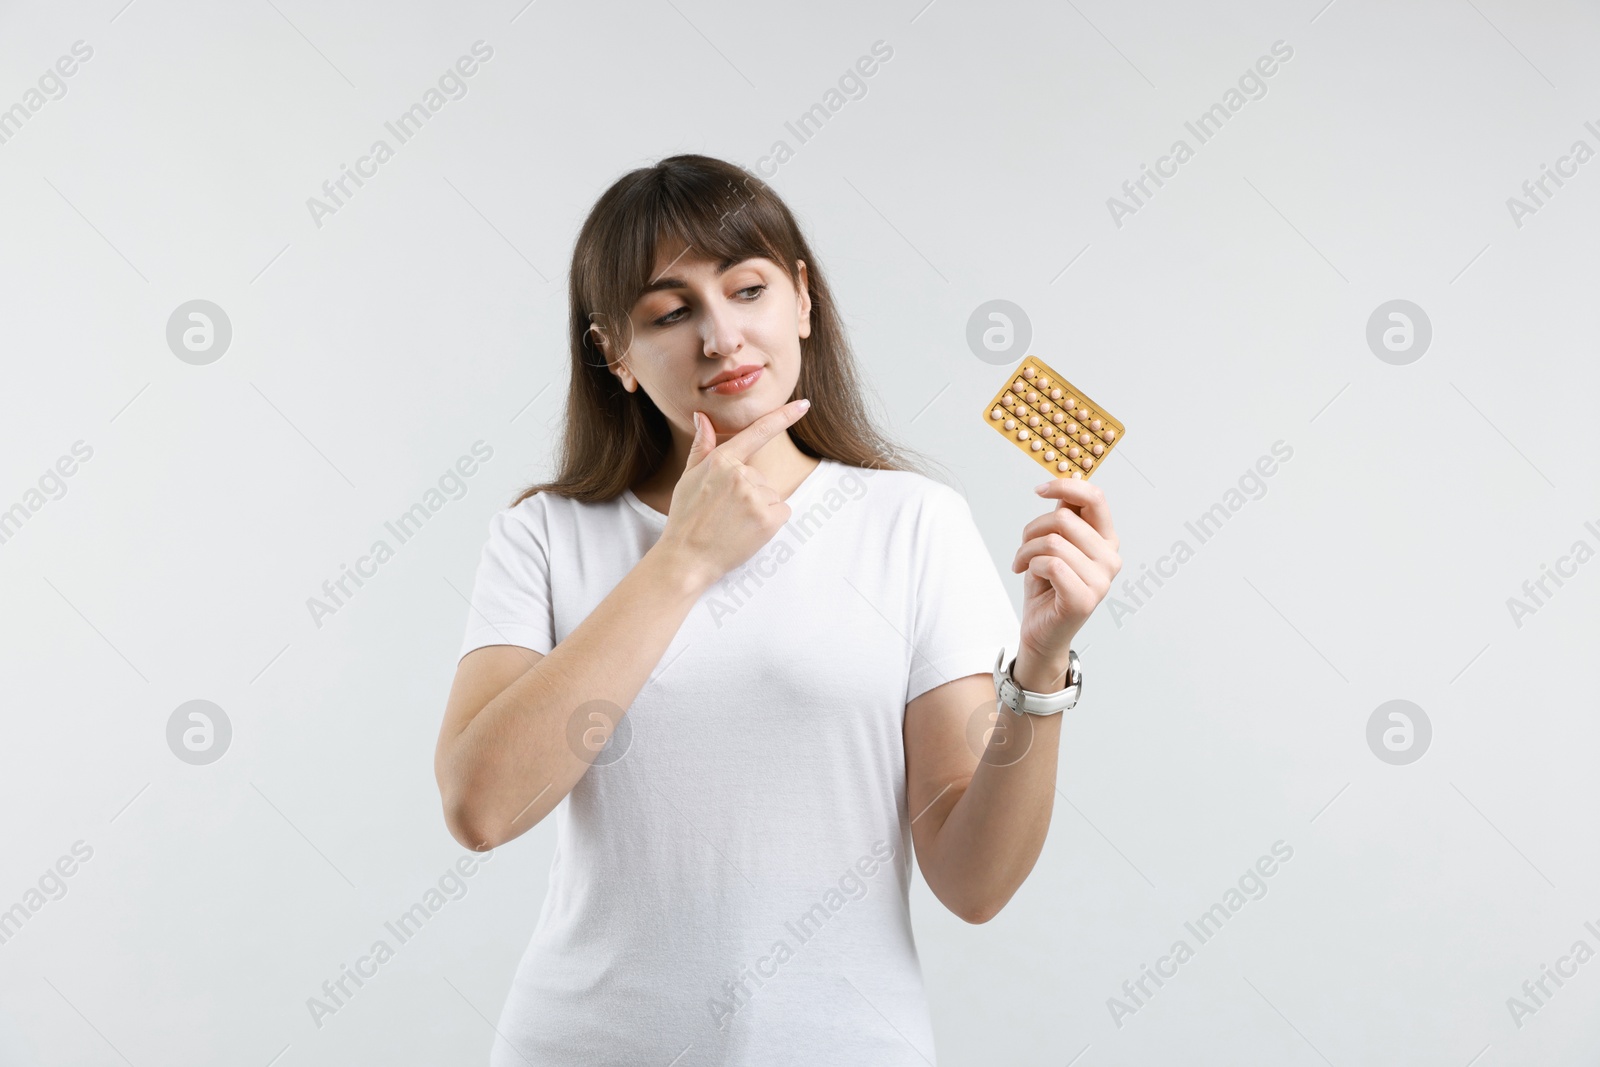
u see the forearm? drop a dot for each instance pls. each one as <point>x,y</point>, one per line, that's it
<point>514,762</point>
<point>992,836</point>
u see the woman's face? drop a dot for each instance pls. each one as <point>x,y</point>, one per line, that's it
<point>695,325</point>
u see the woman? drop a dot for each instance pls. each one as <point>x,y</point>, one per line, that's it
<point>753,651</point>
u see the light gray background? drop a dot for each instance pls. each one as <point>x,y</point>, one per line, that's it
<point>1230,312</point>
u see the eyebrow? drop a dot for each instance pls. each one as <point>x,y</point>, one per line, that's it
<point>678,283</point>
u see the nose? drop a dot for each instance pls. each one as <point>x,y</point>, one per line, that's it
<point>720,331</point>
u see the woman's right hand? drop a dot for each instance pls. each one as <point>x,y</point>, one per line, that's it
<point>722,509</point>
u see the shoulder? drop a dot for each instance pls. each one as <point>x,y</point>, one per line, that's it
<point>543,507</point>
<point>909,486</point>
<point>907,495</point>
<point>530,521</point>
<point>529,514</point>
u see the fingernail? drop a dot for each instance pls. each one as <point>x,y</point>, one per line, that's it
<point>804,403</point>
<point>1042,488</point>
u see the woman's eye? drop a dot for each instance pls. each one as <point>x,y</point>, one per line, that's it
<point>754,292</point>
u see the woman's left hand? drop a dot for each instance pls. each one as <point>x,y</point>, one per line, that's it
<point>1069,557</point>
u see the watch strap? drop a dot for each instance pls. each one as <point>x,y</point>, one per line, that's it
<point>1023,701</point>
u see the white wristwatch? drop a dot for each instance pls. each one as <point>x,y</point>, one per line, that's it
<point>1020,700</point>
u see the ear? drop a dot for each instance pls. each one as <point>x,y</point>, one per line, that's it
<point>803,299</point>
<point>625,376</point>
<point>600,340</point>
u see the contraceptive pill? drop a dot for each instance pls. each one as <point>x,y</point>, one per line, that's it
<point>1040,412</point>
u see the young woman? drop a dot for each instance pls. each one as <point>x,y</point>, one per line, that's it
<point>753,652</point>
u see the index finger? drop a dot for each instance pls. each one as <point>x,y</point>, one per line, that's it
<point>744,444</point>
<point>1090,501</point>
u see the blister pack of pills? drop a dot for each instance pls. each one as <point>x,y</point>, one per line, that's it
<point>1049,419</point>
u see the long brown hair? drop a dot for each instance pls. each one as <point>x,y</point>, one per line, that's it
<point>614,438</point>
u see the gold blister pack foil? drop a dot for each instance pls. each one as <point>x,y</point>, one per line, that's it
<point>1052,422</point>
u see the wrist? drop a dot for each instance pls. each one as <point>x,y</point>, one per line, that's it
<point>1039,674</point>
<point>680,570</point>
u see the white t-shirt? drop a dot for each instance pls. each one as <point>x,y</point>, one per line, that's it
<point>730,882</point>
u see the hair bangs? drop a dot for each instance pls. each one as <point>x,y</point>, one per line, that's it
<point>714,219</point>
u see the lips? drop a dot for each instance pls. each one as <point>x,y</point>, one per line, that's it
<point>734,381</point>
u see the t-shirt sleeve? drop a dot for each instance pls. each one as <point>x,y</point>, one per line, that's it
<point>962,614</point>
<point>511,594</point>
